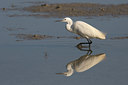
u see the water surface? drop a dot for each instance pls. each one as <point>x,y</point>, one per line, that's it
<point>36,62</point>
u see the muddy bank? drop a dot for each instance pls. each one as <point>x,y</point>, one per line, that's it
<point>31,36</point>
<point>77,9</point>
<point>40,37</point>
<point>118,38</point>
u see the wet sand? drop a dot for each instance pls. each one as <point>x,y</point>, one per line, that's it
<point>77,9</point>
<point>117,38</point>
<point>42,37</point>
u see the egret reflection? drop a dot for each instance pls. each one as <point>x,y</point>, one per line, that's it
<point>84,63</point>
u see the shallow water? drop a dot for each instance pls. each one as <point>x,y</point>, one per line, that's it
<point>36,62</point>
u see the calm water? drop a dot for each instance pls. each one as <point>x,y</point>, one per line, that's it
<point>36,62</point>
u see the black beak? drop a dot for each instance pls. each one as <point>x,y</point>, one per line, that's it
<point>58,20</point>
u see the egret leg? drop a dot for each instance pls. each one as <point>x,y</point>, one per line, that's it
<point>89,42</point>
<point>89,52</point>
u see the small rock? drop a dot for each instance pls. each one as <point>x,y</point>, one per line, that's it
<point>77,37</point>
<point>35,36</point>
<point>72,9</point>
<point>44,4</point>
<point>102,9</point>
<point>57,7</point>
<point>3,8</point>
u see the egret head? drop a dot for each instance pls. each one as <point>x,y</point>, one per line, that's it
<point>66,19</point>
<point>69,70</point>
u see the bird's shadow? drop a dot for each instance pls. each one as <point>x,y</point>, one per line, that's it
<point>83,63</point>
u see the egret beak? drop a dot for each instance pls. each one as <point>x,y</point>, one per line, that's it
<point>60,73</point>
<point>65,74</point>
<point>58,21</point>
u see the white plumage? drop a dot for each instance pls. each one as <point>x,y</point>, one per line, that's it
<point>83,29</point>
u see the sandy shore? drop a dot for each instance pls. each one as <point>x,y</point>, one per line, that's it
<point>22,37</point>
<point>77,9</point>
<point>41,37</point>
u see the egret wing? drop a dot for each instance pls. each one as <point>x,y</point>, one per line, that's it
<point>85,30</point>
<point>87,63</point>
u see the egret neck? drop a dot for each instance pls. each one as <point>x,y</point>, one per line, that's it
<point>69,70</point>
<point>68,26</point>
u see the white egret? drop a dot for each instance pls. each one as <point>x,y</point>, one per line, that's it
<point>83,63</point>
<point>83,29</point>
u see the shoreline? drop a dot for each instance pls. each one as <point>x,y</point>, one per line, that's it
<point>77,9</point>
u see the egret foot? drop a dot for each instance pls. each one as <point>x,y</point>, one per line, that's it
<point>80,47</point>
